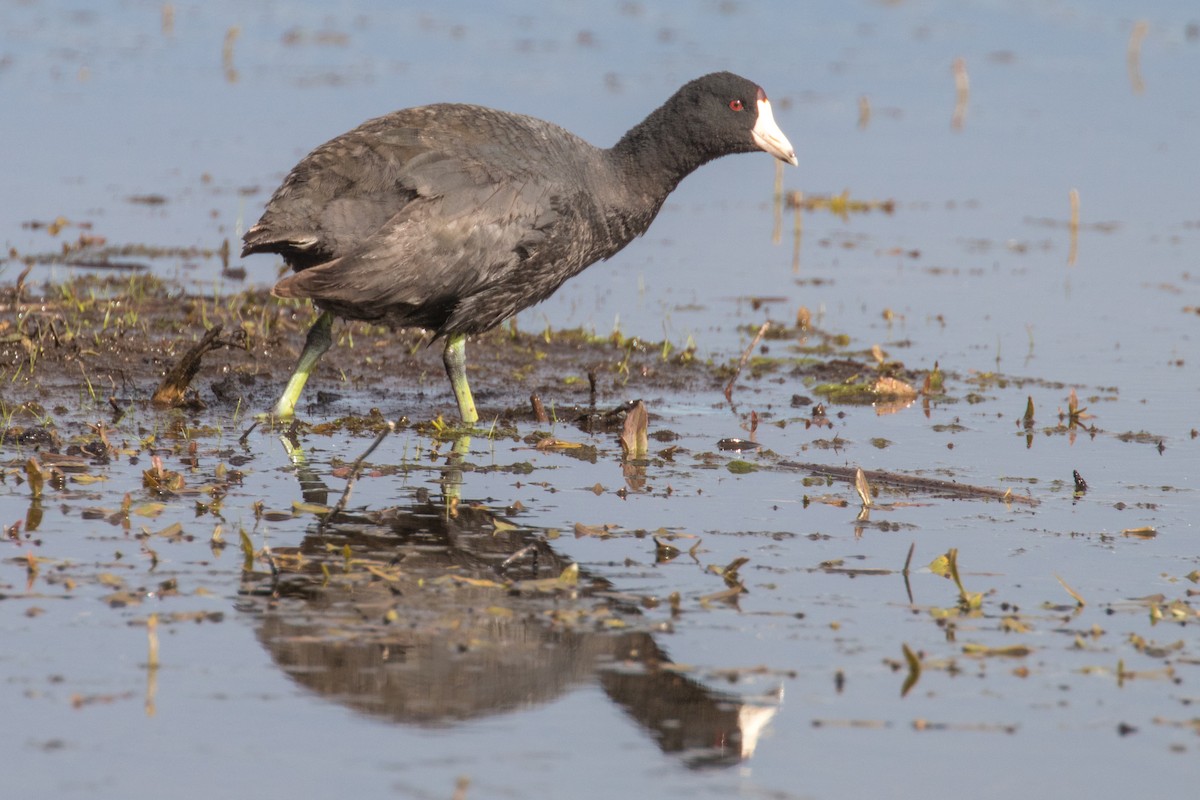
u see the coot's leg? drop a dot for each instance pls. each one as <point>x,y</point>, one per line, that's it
<point>319,340</point>
<point>455,359</point>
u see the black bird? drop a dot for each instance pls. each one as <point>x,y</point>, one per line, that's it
<point>455,217</point>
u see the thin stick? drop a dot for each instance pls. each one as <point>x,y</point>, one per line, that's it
<point>539,409</point>
<point>1133,56</point>
<point>242,439</point>
<point>518,555</point>
<point>962,93</point>
<point>745,358</point>
<point>1074,228</point>
<point>354,471</point>
<point>905,572</point>
<point>914,482</point>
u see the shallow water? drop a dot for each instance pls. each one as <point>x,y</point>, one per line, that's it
<point>970,271</point>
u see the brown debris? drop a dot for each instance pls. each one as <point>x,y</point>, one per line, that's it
<point>172,392</point>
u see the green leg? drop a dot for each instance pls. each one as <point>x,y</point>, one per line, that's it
<point>455,359</point>
<point>319,340</point>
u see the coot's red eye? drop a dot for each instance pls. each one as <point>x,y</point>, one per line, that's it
<point>736,105</point>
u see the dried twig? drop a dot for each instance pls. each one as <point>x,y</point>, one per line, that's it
<point>913,482</point>
<point>354,471</point>
<point>745,358</point>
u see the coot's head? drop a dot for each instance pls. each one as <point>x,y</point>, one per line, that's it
<point>725,113</point>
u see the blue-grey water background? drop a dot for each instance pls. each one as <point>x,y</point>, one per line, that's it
<point>103,102</point>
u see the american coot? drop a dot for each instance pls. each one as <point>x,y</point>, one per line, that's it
<point>455,217</point>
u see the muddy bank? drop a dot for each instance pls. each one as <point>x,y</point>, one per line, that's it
<point>105,342</point>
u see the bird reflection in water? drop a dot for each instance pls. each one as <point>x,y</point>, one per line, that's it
<point>424,617</point>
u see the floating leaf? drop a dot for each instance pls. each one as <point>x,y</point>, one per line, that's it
<point>1012,651</point>
<point>634,438</point>
<point>570,575</point>
<point>247,547</point>
<point>664,552</point>
<point>172,531</point>
<point>36,476</point>
<point>379,572</point>
<point>1071,592</point>
<point>862,487</point>
<point>149,509</point>
<point>582,530</point>
<point>729,595</point>
<point>967,601</point>
<point>567,579</point>
<point>550,443</point>
<point>158,479</point>
<point>1144,532</point>
<point>914,670</point>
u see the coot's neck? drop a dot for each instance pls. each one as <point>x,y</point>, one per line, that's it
<point>656,154</point>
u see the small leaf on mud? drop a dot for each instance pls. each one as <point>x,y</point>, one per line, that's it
<point>893,388</point>
<point>1144,532</point>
